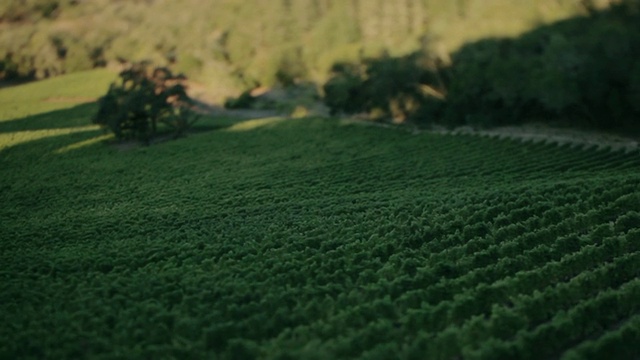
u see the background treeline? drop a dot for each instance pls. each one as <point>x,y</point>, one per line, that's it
<point>579,72</point>
<point>250,41</point>
<point>461,62</point>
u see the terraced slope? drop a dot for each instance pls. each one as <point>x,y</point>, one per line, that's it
<point>316,239</point>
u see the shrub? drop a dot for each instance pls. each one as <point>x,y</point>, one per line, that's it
<point>393,85</point>
<point>144,99</point>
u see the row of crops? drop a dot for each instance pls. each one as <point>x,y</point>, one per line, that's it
<point>313,239</point>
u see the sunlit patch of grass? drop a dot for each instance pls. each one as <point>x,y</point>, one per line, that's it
<point>57,93</point>
<point>51,108</point>
<point>256,123</point>
<point>84,143</point>
<point>19,137</point>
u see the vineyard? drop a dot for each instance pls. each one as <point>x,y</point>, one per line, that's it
<point>313,239</point>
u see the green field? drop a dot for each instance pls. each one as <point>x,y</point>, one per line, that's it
<point>308,239</point>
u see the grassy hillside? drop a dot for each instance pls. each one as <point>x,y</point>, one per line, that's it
<point>228,43</point>
<point>51,108</point>
<point>312,239</point>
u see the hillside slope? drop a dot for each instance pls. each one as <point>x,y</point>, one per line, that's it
<point>235,43</point>
<point>312,239</point>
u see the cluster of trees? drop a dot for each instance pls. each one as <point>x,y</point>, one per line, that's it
<point>144,100</point>
<point>582,71</point>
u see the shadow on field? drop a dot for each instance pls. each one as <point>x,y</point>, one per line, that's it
<point>69,129</point>
<point>75,116</point>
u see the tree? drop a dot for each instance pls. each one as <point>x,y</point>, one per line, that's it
<point>144,99</point>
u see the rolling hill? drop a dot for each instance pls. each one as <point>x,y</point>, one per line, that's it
<point>309,238</point>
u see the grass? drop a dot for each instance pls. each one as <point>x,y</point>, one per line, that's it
<point>311,238</point>
<point>54,94</point>
<point>51,108</point>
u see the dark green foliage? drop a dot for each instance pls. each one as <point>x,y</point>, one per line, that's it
<point>629,221</point>
<point>144,99</point>
<point>343,90</point>
<point>386,86</point>
<point>582,72</point>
